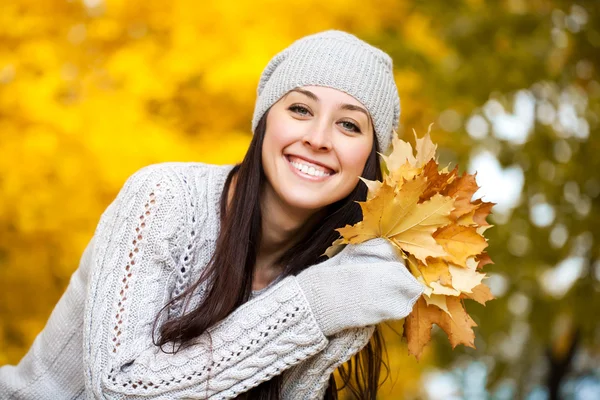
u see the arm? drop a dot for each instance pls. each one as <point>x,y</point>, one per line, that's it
<point>132,268</point>
<point>52,367</point>
<point>309,379</point>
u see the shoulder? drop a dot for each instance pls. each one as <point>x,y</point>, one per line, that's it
<point>175,193</point>
<point>177,175</point>
<point>175,182</point>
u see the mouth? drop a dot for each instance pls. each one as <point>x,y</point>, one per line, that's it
<point>308,169</point>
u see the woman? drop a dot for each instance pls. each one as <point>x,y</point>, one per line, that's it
<point>207,281</point>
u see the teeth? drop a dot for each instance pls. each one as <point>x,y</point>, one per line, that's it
<point>308,170</point>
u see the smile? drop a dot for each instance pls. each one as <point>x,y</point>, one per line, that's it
<point>307,169</point>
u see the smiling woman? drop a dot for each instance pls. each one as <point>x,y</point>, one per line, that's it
<point>315,148</point>
<point>206,281</point>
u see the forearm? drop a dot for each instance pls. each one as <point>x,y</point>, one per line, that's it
<point>52,368</point>
<point>259,340</point>
<point>307,380</point>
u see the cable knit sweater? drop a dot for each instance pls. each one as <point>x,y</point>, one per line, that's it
<point>151,242</point>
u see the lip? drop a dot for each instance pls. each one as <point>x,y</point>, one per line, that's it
<point>306,176</point>
<point>308,160</point>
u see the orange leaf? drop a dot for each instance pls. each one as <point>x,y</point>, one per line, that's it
<point>435,270</point>
<point>459,327</point>
<point>483,259</point>
<point>462,190</point>
<point>436,182</point>
<point>417,326</point>
<point>460,242</point>
<point>481,294</point>
<point>482,211</point>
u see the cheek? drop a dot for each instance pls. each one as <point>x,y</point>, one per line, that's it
<point>354,157</point>
<point>279,134</point>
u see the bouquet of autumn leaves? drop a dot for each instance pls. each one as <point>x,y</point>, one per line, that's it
<point>427,213</point>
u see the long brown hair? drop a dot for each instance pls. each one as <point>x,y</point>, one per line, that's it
<point>231,267</point>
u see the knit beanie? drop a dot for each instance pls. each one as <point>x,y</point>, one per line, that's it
<point>337,60</point>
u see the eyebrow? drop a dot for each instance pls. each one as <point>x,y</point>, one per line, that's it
<point>345,106</point>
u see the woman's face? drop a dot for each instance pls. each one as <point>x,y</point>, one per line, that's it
<point>316,144</point>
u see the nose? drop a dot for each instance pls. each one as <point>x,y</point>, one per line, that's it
<point>318,137</point>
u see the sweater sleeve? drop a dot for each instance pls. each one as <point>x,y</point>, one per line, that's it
<point>309,379</point>
<point>52,368</point>
<point>130,271</point>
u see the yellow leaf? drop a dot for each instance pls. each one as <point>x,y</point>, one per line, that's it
<point>426,289</point>
<point>402,152</point>
<point>406,172</point>
<point>438,301</point>
<point>414,266</point>
<point>398,216</point>
<point>428,214</point>
<point>372,186</point>
<point>481,229</point>
<point>466,219</point>
<point>431,214</point>
<point>436,270</point>
<point>335,248</point>
<point>464,279</point>
<point>472,263</point>
<point>460,242</point>
<point>374,212</point>
<point>425,148</point>
<point>442,289</point>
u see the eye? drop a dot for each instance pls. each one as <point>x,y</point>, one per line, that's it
<point>300,110</point>
<point>349,126</point>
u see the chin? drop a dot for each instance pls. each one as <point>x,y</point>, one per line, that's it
<point>305,202</point>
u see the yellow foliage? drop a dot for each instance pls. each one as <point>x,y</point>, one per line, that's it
<point>89,95</point>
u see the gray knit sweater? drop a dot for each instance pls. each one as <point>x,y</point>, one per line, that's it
<point>152,241</point>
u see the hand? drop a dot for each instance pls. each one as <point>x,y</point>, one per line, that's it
<point>363,285</point>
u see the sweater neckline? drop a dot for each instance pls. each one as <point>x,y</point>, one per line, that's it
<point>273,282</point>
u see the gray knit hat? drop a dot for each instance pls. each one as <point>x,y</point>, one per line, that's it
<point>341,61</point>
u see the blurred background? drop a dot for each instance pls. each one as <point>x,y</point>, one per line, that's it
<point>92,90</point>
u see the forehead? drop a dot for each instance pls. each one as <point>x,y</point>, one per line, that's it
<point>326,94</point>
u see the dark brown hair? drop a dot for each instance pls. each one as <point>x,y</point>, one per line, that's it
<point>231,267</point>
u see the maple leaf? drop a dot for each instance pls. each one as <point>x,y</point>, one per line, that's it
<point>464,279</point>
<point>483,259</point>
<point>436,270</point>
<point>439,301</point>
<point>462,190</point>
<point>425,147</point>
<point>372,187</point>
<point>398,216</point>
<point>402,164</point>
<point>481,212</point>
<point>480,293</point>
<point>460,242</point>
<point>427,212</point>
<point>437,182</point>
<point>402,154</point>
<point>454,320</point>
